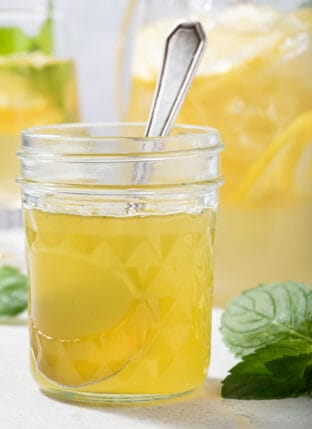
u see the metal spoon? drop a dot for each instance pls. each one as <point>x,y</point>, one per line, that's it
<point>183,51</point>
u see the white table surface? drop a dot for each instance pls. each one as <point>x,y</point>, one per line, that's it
<point>23,406</point>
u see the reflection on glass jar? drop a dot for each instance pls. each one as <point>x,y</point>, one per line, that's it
<point>37,84</point>
<point>254,85</point>
<point>121,274</point>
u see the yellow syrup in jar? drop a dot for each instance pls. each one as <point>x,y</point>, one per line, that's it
<point>120,305</point>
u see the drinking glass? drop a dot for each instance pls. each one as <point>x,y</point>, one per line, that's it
<point>37,87</point>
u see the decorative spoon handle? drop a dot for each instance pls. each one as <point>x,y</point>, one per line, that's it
<point>183,51</point>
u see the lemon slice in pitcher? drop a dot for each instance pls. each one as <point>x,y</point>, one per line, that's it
<point>285,167</point>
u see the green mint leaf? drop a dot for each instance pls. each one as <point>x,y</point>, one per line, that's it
<point>44,40</point>
<point>14,41</point>
<point>308,378</point>
<point>275,371</point>
<point>267,314</point>
<point>293,366</point>
<point>13,291</point>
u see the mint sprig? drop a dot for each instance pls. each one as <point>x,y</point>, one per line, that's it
<point>13,291</point>
<point>44,40</point>
<point>275,371</point>
<point>271,327</point>
<point>266,314</point>
<point>14,41</point>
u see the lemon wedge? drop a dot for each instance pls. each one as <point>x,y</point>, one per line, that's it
<point>285,167</point>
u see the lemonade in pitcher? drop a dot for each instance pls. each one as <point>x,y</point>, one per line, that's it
<point>255,86</point>
<point>36,87</point>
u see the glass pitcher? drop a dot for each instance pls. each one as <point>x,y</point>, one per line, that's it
<point>37,87</point>
<point>255,86</point>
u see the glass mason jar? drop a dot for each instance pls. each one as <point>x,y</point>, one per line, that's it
<point>120,268</point>
<point>37,86</point>
<point>255,86</point>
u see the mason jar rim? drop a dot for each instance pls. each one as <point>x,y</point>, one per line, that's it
<point>38,139</point>
<point>150,175</point>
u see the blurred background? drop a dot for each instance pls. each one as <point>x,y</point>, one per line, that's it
<point>93,28</point>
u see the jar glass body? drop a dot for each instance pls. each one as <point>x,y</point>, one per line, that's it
<point>254,85</point>
<point>37,85</point>
<point>120,269</point>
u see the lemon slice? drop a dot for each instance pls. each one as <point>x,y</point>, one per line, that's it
<point>285,167</point>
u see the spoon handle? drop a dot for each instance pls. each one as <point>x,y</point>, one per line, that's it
<point>183,50</point>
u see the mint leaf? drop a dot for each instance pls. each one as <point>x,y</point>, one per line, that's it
<point>44,40</point>
<point>45,37</point>
<point>13,41</point>
<point>275,371</point>
<point>267,314</point>
<point>308,377</point>
<point>292,368</point>
<point>53,80</point>
<point>13,291</point>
